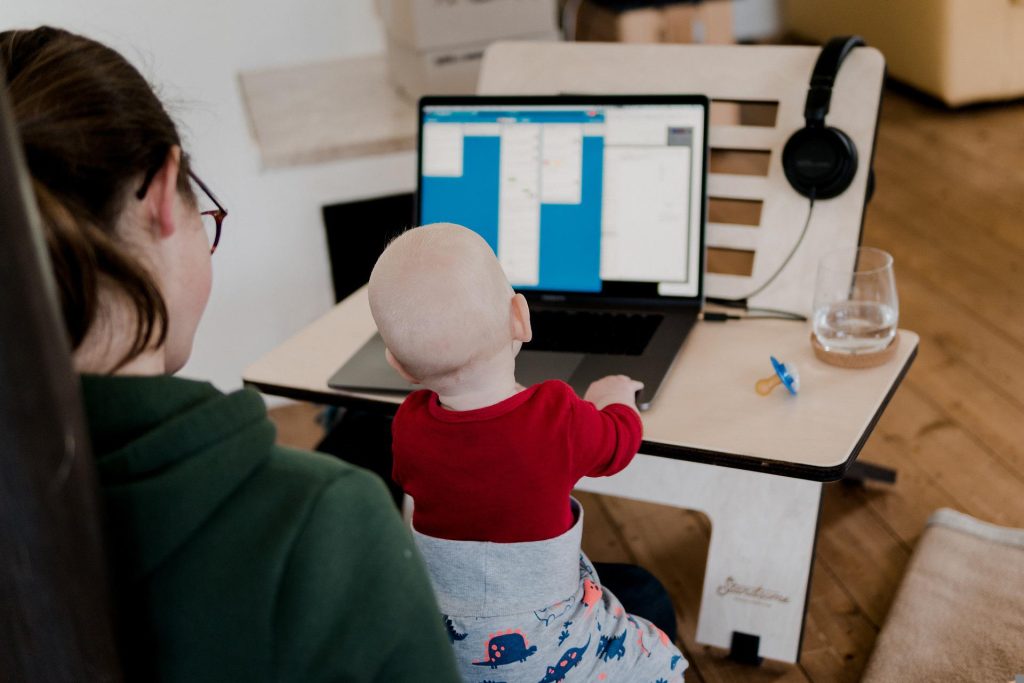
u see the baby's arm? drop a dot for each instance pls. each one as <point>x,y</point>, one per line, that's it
<point>605,427</point>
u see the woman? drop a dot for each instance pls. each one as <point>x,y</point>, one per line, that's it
<point>233,559</point>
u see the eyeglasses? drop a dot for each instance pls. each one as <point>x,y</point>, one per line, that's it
<point>216,216</point>
<point>213,219</point>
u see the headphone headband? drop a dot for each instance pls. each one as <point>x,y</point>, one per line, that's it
<point>819,96</point>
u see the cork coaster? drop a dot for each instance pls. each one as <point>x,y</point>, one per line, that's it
<point>856,360</point>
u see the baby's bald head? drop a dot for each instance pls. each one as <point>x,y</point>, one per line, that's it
<point>440,300</point>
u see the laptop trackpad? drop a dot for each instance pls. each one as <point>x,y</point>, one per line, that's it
<point>537,366</point>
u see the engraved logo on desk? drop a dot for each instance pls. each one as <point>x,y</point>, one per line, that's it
<point>755,594</point>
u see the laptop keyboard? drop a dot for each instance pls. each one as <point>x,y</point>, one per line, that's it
<point>619,334</point>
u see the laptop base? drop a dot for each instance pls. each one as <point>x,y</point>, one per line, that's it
<point>368,370</point>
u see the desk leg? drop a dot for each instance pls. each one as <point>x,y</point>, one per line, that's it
<point>763,529</point>
<point>860,472</point>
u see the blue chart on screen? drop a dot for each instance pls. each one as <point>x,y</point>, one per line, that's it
<point>569,257</point>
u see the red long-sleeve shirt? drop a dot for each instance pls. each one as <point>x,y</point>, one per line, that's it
<point>504,473</point>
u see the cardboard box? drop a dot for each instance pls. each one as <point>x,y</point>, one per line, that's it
<point>709,22</point>
<point>433,24</point>
<point>452,70</point>
<point>960,51</point>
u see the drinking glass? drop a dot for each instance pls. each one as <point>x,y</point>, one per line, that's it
<point>856,309</point>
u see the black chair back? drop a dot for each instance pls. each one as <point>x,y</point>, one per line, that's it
<point>55,607</point>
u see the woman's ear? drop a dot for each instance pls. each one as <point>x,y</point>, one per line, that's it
<point>521,330</point>
<point>163,190</point>
<point>393,362</point>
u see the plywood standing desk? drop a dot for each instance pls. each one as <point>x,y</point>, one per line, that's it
<point>755,465</point>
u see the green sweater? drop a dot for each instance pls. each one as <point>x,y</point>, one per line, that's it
<point>237,560</point>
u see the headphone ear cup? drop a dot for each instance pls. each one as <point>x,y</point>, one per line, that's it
<point>819,162</point>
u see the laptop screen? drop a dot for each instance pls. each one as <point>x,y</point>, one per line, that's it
<point>574,195</point>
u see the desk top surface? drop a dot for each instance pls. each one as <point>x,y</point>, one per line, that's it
<point>707,409</point>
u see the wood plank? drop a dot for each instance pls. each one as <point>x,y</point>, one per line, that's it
<point>949,336</point>
<point>905,506</point>
<point>992,418</point>
<point>977,209</point>
<point>296,425</point>
<point>860,550</point>
<point>602,539</point>
<point>954,227</point>
<point>960,205</point>
<point>838,636</point>
<point>934,163</point>
<point>979,134</point>
<point>976,482</point>
<point>977,294</point>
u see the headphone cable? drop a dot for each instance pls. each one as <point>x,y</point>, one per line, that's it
<point>742,301</point>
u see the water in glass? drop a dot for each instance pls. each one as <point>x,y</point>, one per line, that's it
<point>855,326</point>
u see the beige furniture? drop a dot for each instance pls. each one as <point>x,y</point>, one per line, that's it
<point>960,51</point>
<point>435,48</point>
<point>336,109</point>
<point>753,464</point>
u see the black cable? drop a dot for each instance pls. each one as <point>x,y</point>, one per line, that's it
<point>727,303</point>
<point>742,301</point>
<point>717,317</point>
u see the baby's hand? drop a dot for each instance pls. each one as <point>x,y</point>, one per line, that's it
<point>613,389</point>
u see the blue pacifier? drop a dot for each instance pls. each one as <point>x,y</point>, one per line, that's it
<point>786,375</point>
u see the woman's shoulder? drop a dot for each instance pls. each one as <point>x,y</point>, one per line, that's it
<point>309,484</point>
<point>312,468</point>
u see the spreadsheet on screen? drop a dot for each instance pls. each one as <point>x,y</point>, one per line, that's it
<point>569,196</point>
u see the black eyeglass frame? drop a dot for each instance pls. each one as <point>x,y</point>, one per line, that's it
<point>218,214</point>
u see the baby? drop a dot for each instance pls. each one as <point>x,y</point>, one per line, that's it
<point>490,467</point>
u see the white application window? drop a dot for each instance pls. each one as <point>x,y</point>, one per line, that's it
<point>652,196</point>
<point>561,170</point>
<point>442,150</point>
<point>646,209</point>
<point>519,203</point>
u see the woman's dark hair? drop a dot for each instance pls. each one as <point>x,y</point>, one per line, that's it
<point>93,131</point>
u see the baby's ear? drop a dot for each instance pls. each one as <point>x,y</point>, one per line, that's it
<point>521,330</point>
<point>399,368</point>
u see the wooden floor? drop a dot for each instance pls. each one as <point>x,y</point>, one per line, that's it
<point>950,208</point>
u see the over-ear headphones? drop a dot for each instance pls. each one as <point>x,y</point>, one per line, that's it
<point>820,161</point>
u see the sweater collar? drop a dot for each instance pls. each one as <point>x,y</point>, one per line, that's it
<point>121,409</point>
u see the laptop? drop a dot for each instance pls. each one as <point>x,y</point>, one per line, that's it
<point>595,206</point>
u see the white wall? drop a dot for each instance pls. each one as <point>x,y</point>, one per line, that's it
<point>271,272</point>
